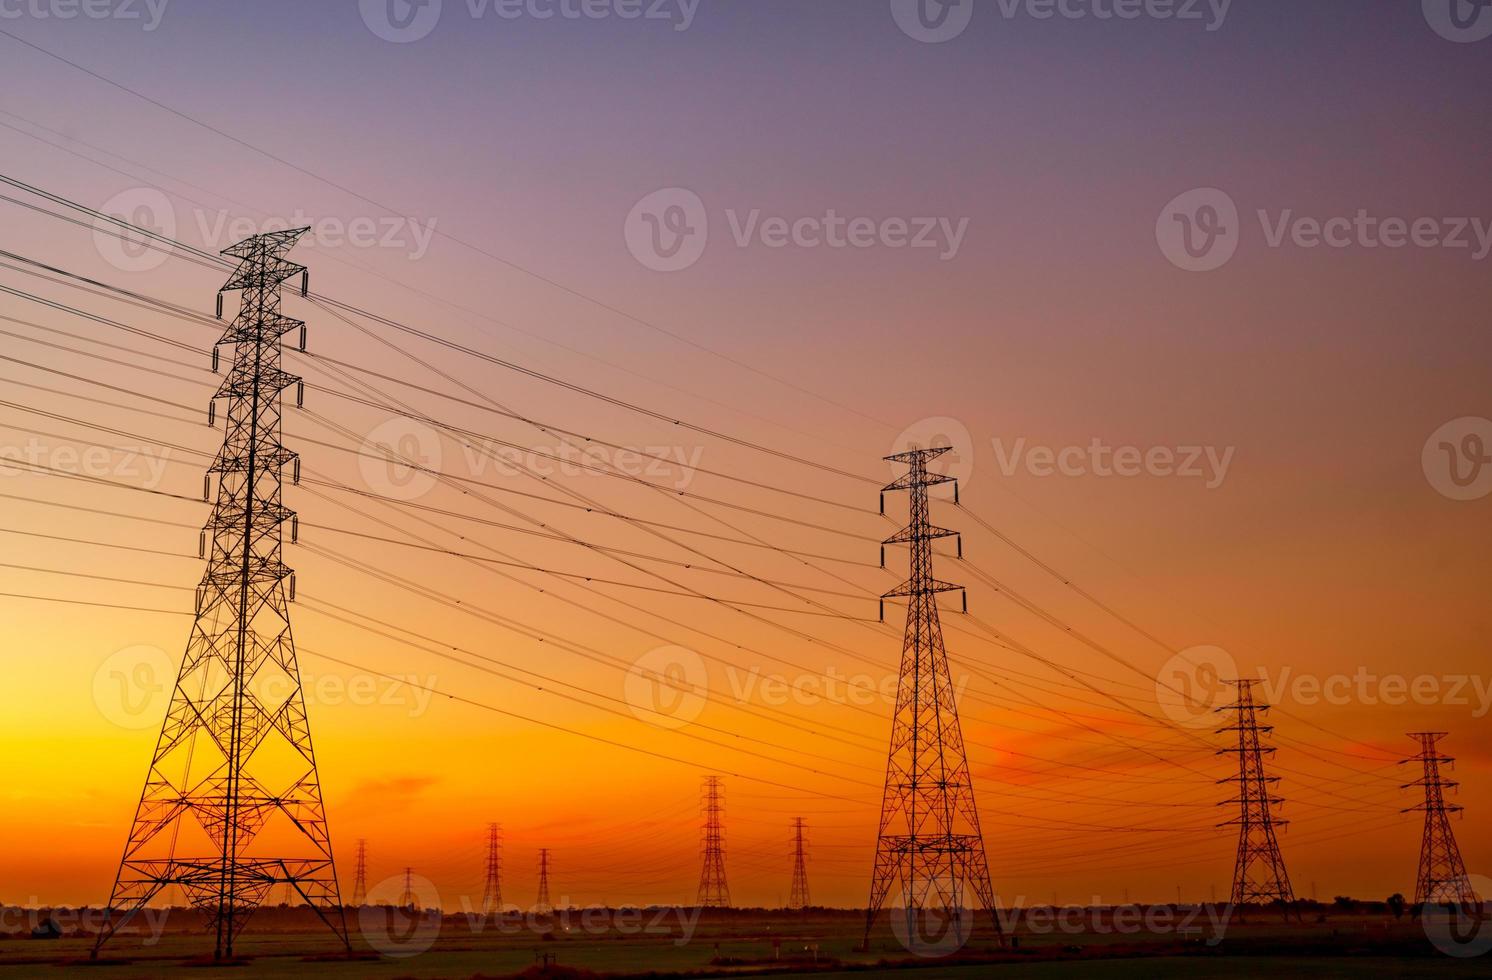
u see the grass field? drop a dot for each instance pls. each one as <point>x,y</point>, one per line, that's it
<point>283,943</point>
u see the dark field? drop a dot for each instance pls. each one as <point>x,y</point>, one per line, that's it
<point>281,942</point>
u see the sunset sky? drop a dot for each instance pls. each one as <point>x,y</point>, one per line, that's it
<point>500,170</point>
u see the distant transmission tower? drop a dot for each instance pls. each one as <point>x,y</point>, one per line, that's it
<point>250,815</point>
<point>799,895</point>
<point>1259,876</point>
<point>1442,874</point>
<point>492,892</point>
<point>714,892</point>
<point>929,844</point>
<point>543,904</point>
<point>360,883</point>
<point>407,898</point>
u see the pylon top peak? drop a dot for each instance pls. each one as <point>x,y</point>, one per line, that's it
<point>931,452</point>
<point>276,242</point>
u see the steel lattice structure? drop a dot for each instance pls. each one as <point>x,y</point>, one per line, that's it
<point>407,898</point>
<point>360,881</point>
<point>232,803</point>
<point>930,843</point>
<point>799,894</point>
<point>1259,875</point>
<point>492,892</point>
<point>543,904</point>
<point>1442,876</point>
<point>714,891</point>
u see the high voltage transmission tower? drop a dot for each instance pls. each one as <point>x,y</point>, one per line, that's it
<point>360,882</point>
<point>1442,876</point>
<point>232,803</point>
<point>543,905</point>
<point>407,898</point>
<point>930,843</point>
<point>1259,875</point>
<point>799,896</point>
<point>492,892</point>
<point>714,892</point>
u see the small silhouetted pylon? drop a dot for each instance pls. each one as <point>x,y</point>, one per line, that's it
<point>360,881</point>
<point>543,904</point>
<point>492,892</point>
<point>1259,875</point>
<point>799,895</point>
<point>929,843</point>
<point>1442,874</point>
<point>408,899</point>
<point>714,892</point>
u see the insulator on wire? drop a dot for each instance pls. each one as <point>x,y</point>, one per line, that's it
<point>300,394</point>
<point>295,472</point>
<point>883,556</point>
<point>207,486</point>
<point>294,528</point>
<point>959,539</point>
<point>292,586</point>
<point>220,306</point>
<point>883,610</point>
<point>883,505</point>
<point>966,600</point>
<point>199,598</point>
<point>955,492</point>
<point>305,282</point>
<point>215,352</point>
<point>202,544</point>
<point>212,413</point>
<point>303,338</point>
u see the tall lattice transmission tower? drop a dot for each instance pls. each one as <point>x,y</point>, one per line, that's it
<point>360,881</point>
<point>543,905</point>
<point>798,897</point>
<point>1259,875</point>
<point>492,891</point>
<point>930,845</point>
<point>714,891</point>
<point>407,898</point>
<point>1442,876</point>
<point>232,803</point>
